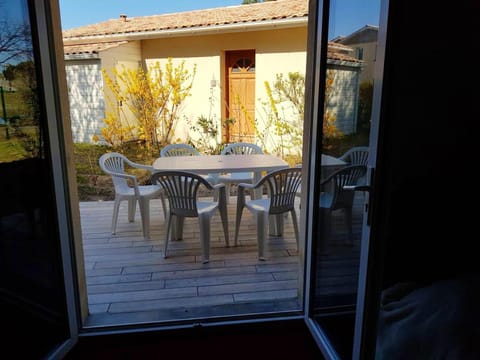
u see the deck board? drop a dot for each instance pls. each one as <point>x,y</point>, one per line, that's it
<point>129,280</point>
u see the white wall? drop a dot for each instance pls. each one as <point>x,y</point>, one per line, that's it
<point>344,98</point>
<point>85,93</point>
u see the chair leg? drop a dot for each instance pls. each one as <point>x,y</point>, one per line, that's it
<point>144,205</point>
<point>204,222</point>
<point>261,233</point>
<point>132,203</point>
<point>169,232</point>
<point>295,225</point>
<point>164,206</point>
<point>276,225</point>
<point>116,206</point>
<point>237,222</point>
<point>227,192</point>
<point>178,228</point>
<point>222,207</point>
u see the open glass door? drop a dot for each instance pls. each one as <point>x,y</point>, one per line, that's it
<point>36,276</point>
<point>346,64</point>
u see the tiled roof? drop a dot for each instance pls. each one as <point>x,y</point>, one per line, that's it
<point>333,55</point>
<point>252,13</point>
<point>92,48</point>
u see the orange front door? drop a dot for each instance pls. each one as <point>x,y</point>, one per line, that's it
<point>241,96</point>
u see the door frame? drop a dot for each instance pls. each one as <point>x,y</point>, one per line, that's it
<point>368,292</point>
<point>47,25</point>
<point>228,55</point>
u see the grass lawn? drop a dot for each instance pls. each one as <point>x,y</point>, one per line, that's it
<point>11,150</point>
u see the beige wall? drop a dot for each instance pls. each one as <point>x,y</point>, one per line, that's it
<point>277,51</point>
<point>127,55</point>
<point>369,58</point>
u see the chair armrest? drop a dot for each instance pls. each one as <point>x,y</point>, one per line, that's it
<point>144,167</point>
<point>133,178</point>
<point>140,166</point>
<point>247,186</point>
<point>217,186</point>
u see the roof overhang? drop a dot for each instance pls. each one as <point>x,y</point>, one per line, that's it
<point>82,56</point>
<point>193,31</point>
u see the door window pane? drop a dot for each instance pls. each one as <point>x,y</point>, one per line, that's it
<point>32,294</point>
<point>352,35</point>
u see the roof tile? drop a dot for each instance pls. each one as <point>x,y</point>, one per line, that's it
<point>270,10</point>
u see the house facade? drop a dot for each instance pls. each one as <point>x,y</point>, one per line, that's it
<point>364,43</point>
<point>235,50</point>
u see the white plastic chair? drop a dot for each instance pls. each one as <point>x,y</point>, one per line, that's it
<point>282,186</point>
<point>181,189</point>
<point>127,188</point>
<point>240,148</point>
<point>179,150</point>
<point>357,155</point>
<point>337,192</point>
<point>183,149</point>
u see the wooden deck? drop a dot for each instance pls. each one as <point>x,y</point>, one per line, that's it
<point>129,281</point>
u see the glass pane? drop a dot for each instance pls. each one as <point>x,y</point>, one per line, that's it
<point>32,294</point>
<point>129,278</point>
<point>353,29</point>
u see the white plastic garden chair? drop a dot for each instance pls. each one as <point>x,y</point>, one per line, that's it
<point>338,192</point>
<point>183,149</point>
<point>127,188</point>
<point>181,189</point>
<point>357,155</point>
<point>179,150</point>
<point>282,186</point>
<point>240,148</point>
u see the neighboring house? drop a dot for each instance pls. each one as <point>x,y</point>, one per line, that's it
<point>364,43</point>
<point>236,49</point>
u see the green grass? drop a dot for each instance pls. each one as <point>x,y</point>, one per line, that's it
<point>11,150</point>
<point>15,105</point>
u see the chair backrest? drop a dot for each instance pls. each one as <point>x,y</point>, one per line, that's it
<point>333,186</point>
<point>179,150</point>
<point>241,148</point>
<point>181,188</point>
<point>112,164</point>
<point>282,186</point>
<point>357,155</point>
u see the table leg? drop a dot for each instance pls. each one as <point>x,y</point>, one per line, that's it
<point>257,193</point>
<point>276,225</point>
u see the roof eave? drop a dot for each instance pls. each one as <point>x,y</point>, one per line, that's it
<point>82,56</point>
<point>193,31</point>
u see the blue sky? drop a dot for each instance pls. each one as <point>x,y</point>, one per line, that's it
<point>347,15</point>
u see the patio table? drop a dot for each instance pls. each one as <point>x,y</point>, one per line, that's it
<point>256,163</point>
<point>211,164</point>
<point>205,164</point>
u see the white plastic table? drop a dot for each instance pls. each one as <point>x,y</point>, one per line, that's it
<point>211,164</point>
<point>205,164</point>
<point>256,163</point>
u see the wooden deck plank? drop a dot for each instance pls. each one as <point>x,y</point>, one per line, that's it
<point>129,280</point>
<point>142,295</point>
<point>176,303</point>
